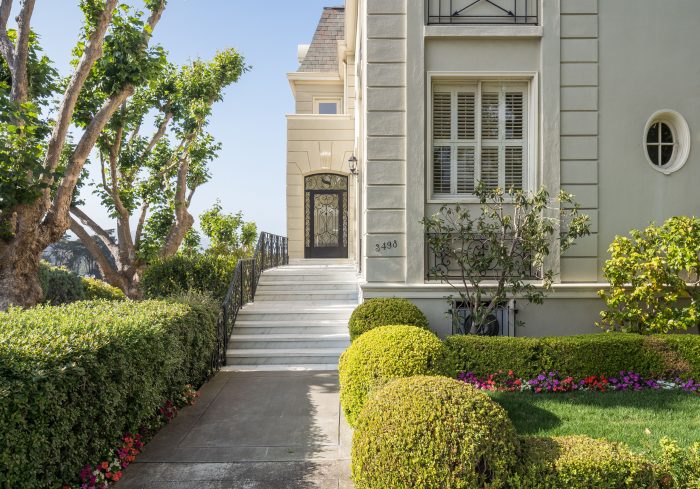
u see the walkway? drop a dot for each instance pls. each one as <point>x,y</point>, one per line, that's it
<point>252,430</point>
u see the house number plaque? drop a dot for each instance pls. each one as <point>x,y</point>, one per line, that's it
<point>385,246</point>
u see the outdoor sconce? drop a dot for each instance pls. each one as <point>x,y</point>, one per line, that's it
<point>353,164</point>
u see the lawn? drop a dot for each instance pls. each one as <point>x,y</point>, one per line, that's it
<point>639,419</point>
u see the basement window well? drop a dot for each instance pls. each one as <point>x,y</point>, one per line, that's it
<point>667,141</point>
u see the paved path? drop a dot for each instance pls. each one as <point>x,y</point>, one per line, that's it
<point>252,430</point>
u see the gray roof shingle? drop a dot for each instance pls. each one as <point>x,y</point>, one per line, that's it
<point>322,55</point>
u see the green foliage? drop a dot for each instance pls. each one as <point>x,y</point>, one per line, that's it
<point>664,356</point>
<point>75,378</point>
<point>383,354</point>
<point>182,273</point>
<point>516,230</point>
<point>384,311</point>
<point>654,279</point>
<point>228,234</point>
<point>579,462</point>
<point>432,432</point>
<point>60,285</point>
<point>677,467</point>
<point>97,289</point>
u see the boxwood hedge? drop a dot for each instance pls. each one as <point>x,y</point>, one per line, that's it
<point>664,356</point>
<point>384,311</point>
<point>75,378</point>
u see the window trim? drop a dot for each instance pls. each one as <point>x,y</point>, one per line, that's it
<point>681,140</point>
<point>532,142</point>
<point>331,100</point>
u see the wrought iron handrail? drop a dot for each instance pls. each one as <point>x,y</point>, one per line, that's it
<point>482,12</point>
<point>271,251</point>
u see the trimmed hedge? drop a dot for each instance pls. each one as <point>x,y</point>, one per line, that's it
<point>384,311</point>
<point>432,432</point>
<point>97,289</point>
<point>665,356</point>
<point>383,354</point>
<point>75,378</point>
<point>183,273</point>
<point>580,462</point>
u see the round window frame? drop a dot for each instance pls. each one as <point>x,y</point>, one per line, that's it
<point>681,134</point>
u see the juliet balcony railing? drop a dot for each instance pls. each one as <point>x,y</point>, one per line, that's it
<point>270,252</point>
<point>482,12</point>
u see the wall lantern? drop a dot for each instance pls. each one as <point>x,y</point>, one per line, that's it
<point>352,162</point>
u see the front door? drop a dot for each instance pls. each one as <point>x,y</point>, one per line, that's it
<point>326,216</point>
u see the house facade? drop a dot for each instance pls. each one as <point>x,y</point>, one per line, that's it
<point>404,105</point>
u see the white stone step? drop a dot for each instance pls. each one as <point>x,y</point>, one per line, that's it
<point>300,307</point>
<point>290,327</point>
<point>315,277</point>
<point>283,356</point>
<point>311,367</point>
<point>289,341</point>
<point>305,296</point>
<point>307,285</point>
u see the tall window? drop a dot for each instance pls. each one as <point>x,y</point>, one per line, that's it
<point>479,133</point>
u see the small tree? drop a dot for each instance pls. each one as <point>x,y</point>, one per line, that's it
<point>154,177</point>
<point>228,234</point>
<point>654,278</point>
<point>501,252</point>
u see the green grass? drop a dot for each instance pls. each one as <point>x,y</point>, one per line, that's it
<point>639,419</point>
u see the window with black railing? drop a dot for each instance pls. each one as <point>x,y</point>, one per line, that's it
<point>482,12</point>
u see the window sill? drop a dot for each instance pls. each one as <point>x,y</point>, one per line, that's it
<point>483,31</point>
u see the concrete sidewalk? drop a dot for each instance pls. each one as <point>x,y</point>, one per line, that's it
<point>252,430</point>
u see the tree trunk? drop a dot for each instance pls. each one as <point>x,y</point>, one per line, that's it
<point>19,274</point>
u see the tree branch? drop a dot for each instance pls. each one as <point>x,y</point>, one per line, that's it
<point>20,78</point>
<point>183,219</point>
<point>142,220</point>
<point>109,273</point>
<point>160,133</point>
<point>103,235</point>
<point>6,47</point>
<point>93,51</point>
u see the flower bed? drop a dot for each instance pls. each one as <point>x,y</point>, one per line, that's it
<point>554,382</point>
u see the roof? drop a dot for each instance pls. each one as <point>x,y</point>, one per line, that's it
<point>322,55</point>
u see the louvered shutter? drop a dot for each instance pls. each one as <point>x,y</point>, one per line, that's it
<point>489,167</point>
<point>465,170</point>
<point>442,169</point>
<point>466,117</point>
<point>514,115</point>
<point>489,115</point>
<point>442,115</point>
<point>514,167</point>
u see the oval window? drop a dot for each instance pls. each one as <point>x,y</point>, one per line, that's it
<point>667,141</point>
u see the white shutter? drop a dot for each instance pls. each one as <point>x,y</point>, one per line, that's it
<point>465,170</point>
<point>514,115</point>
<point>489,167</point>
<point>514,167</point>
<point>442,171</point>
<point>466,117</point>
<point>442,115</point>
<point>489,115</point>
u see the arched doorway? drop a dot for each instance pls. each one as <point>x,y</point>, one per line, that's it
<point>326,216</point>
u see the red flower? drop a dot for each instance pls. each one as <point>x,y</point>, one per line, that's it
<point>104,465</point>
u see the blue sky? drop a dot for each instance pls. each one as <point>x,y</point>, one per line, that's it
<point>250,172</point>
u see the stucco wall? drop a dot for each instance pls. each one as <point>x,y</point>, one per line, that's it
<point>649,60</point>
<point>317,143</point>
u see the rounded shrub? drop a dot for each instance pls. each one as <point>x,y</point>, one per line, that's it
<point>432,432</point>
<point>384,311</point>
<point>60,285</point>
<point>97,289</point>
<point>580,462</point>
<point>383,354</point>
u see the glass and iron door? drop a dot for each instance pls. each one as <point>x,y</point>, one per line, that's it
<point>326,216</point>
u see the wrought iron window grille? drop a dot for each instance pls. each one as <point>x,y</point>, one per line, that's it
<point>482,12</point>
<point>504,319</point>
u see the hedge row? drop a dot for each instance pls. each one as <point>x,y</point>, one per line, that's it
<point>210,274</point>
<point>659,356</point>
<point>75,378</point>
<point>61,286</point>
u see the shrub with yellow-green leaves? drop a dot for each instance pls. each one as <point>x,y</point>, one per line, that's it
<point>97,289</point>
<point>383,354</point>
<point>384,311</point>
<point>432,432</point>
<point>580,462</point>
